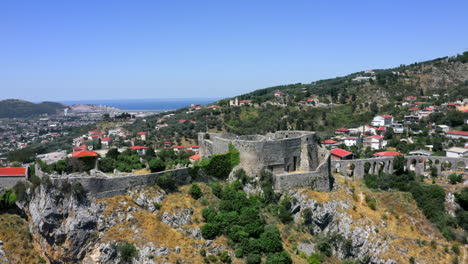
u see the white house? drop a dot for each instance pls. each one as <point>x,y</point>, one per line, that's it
<point>382,120</point>
<point>352,141</point>
<point>456,152</point>
<point>398,128</point>
<point>443,128</point>
<point>374,142</point>
<point>456,134</point>
<point>365,129</point>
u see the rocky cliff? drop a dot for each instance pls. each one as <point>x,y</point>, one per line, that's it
<point>165,227</point>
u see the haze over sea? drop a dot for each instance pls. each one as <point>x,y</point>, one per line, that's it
<point>145,104</point>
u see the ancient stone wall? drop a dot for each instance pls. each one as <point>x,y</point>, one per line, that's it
<point>101,187</point>
<point>283,151</point>
<point>320,179</point>
<point>7,182</point>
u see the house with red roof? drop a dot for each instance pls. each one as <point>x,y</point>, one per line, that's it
<point>387,154</point>
<point>278,93</point>
<point>456,134</point>
<point>195,148</point>
<point>352,141</point>
<point>194,158</point>
<point>244,102</point>
<point>342,131</point>
<point>424,113</point>
<point>84,154</point>
<point>177,148</point>
<point>167,144</point>
<point>374,142</point>
<point>341,154</point>
<point>329,143</point>
<point>141,150</point>
<point>382,120</point>
<point>142,135</point>
<point>410,98</point>
<point>214,107</point>
<point>106,141</point>
<point>10,176</point>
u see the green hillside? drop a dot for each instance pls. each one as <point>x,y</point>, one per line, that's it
<point>14,108</point>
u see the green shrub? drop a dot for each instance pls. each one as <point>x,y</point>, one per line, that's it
<point>166,182</point>
<point>455,178</point>
<point>371,202</point>
<point>315,258</point>
<point>456,249</point>
<point>7,200</point>
<point>210,231</point>
<point>278,258</point>
<point>127,252</point>
<point>195,191</point>
<point>20,190</point>
<point>253,258</point>
<point>156,165</point>
<point>307,215</point>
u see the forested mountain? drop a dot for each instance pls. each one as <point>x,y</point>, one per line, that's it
<point>441,75</point>
<point>12,108</point>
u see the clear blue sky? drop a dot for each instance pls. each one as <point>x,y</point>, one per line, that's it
<point>58,50</point>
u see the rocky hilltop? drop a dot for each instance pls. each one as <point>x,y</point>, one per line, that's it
<point>165,227</point>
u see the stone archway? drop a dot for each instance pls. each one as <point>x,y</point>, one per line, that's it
<point>350,169</point>
<point>367,168</point>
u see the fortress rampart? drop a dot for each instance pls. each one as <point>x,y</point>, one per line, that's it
<point>294,157</point>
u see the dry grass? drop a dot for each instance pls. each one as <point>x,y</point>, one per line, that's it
<point>17,241</point>
<point>396,215</point>
<point>152,229</point>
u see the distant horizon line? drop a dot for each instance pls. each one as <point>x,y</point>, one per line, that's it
<point>116,99</point>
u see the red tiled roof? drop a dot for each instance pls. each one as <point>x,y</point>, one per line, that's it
<point>138,147</point>
<point>178,147</point>
<point>195,157</point>
<point>167,142</point>
<point>414,109</point>
<point>452,104</point>
<point>381,128</point>
<point>244,101</point>
<point>94,136</point>
<point>418,103</point>
<point>84,153</point>
<point>428,109</point>
<point>342,130</point>
<point>352,138</point>
<point>329,141</point>
<point>461,133</point>
<point>375,136</point>
<point>12,171</point>
<point>195,146</point>
<point>142,133</point>
<point>340,152</point>
<point>386,116</point>
<point>310,100</point>
<point>106,139</point>
<point>388,153</point>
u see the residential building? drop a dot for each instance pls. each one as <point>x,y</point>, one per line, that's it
<point>374,142</point>
<point>382,120</point>
<point>141,150</point>
<point>456,134</point>
<point>398,128</point>
<point>456,152</point>
<point>352,141</point>
<point>341,154</point>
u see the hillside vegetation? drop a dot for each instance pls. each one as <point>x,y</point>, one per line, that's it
<point>13,108</point>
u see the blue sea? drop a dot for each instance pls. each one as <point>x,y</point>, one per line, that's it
<point>145,104</point>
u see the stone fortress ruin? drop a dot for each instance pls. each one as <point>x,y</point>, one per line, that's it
<point>294,157</point>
